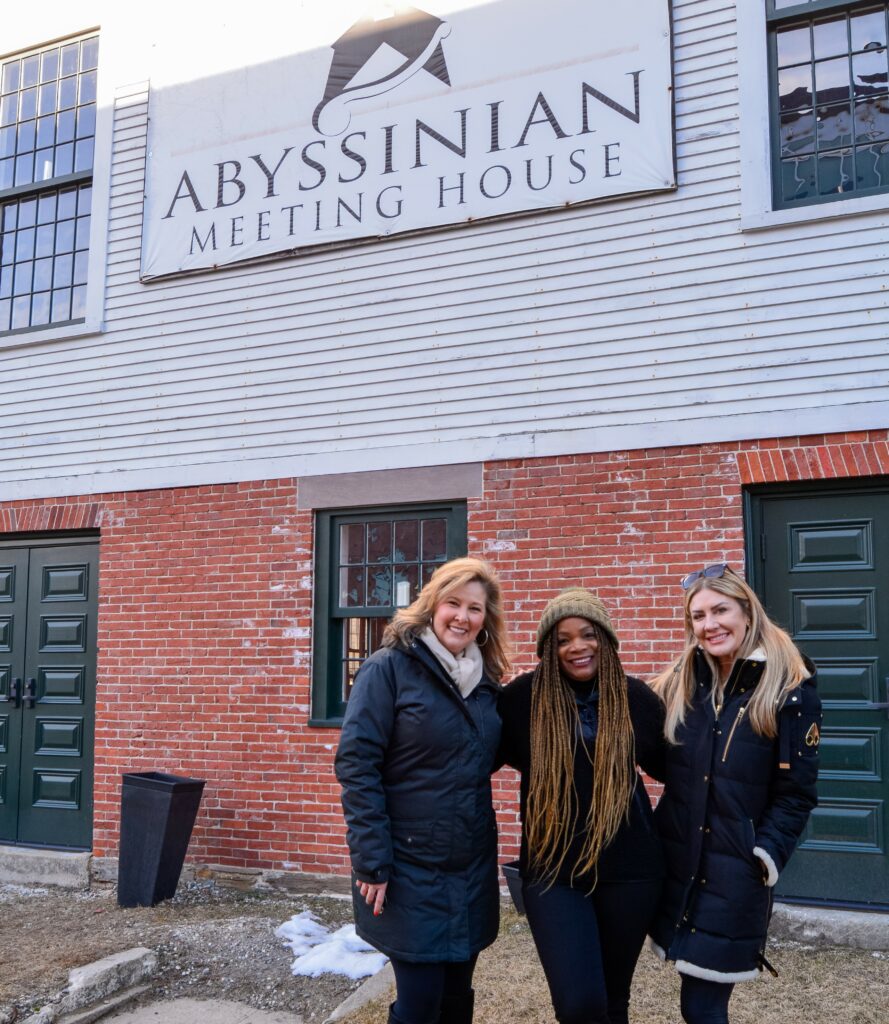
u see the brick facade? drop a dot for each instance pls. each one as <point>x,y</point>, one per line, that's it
<point>206,602</point>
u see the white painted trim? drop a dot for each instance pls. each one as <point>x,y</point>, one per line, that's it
<point>726,978</point>
<point>770,865</point>
<point>704,429</point>
<point>755,131</point>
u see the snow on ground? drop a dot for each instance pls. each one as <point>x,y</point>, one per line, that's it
<point>320,952</point>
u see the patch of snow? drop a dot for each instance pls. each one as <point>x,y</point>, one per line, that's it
<point>320,952</point>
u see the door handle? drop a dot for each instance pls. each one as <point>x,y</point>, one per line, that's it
<point>30,693</point>
<point>15,693</point>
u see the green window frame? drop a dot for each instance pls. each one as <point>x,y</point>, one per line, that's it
<point>361,555</point>
<point>829,100</point>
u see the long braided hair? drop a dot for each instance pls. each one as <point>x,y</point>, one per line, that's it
<point>552,811</point>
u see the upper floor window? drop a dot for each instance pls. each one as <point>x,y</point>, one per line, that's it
<point>47,141</point>
<point>829,99</point>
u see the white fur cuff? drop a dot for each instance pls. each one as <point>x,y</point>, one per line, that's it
<point>684,967</point>
<point>770,865</point>
<point>655,948</point>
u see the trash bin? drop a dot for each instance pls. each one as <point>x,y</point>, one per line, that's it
<point>514,884</point>
<point>157,813</point>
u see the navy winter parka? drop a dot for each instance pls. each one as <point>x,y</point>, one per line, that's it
<point>415,761</point>
<point>734,807</point>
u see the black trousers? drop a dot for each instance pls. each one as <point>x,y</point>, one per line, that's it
<point>588,945</point>
<point>421,988</point>
<point>704,1002</point>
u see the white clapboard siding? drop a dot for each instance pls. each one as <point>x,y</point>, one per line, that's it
<point>638,321</point>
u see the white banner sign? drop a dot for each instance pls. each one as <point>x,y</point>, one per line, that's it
<point>410,119</point>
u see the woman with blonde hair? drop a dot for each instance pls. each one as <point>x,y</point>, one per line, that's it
<point>742,728</point>
<point>418,744</point>
<point>591,866</point>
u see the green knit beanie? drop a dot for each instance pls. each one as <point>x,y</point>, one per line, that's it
<point>574,602</point>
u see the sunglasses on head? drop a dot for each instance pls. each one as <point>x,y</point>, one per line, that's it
<point>710,572</point>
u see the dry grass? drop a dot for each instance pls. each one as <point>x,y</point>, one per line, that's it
<point>815,986</point>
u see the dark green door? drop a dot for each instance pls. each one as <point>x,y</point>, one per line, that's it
<point>821,567</point>
<point>47,691</point>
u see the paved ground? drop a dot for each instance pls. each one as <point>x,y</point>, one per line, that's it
<point>207,1011</point>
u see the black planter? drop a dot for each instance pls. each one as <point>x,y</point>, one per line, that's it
<point>514,884</point>
<point>157,813</point>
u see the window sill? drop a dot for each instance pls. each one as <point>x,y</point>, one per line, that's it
<point>817,212</point>
<point>325,723</point>
<point>50,333</point>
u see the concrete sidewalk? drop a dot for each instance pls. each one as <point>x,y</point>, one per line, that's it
<point>201,1011</point>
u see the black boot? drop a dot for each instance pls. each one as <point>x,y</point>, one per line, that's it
<point>457,1009</point>
<point>393,1019</point>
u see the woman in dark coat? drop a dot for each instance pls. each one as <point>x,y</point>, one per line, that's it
<point>742,725</point>
<point>415,757</point>
<point>590,860</point>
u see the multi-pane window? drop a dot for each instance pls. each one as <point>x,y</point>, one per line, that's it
<point>47,142</point>
<point>830,100</point>
<point>370,563</point>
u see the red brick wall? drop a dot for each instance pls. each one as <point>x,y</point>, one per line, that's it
<point>205,614</point>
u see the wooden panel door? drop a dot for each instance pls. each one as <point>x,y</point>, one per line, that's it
<point>49,754</point>
<point>822,570</point>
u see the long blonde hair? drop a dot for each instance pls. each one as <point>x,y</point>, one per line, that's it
<point>408,623</point>
<point>784,665</point>
<point>552,811</point>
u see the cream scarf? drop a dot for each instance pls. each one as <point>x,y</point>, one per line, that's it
<point>465,669</point>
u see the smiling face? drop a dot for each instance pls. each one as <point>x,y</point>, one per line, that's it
<point>719,623</point>
<point>458,619</point>
<point>578,649</point>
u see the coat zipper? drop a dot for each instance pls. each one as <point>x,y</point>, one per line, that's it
<point>731,735</point>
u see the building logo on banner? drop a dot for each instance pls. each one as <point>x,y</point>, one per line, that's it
<point>414,35</point>
<point>414,121</point>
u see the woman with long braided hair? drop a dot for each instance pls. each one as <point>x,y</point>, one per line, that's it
<point>591,865</point>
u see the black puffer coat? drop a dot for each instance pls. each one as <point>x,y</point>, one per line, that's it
<point>635,852</point>
<point>415,762</point>
<point>735,805</point>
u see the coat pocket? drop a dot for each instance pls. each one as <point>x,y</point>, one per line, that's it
<point>414,841</point>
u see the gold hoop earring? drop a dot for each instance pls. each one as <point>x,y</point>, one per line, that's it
<point>481,643</point>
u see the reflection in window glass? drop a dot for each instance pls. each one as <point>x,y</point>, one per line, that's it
<point>48,114</point>
<point>830,102</point>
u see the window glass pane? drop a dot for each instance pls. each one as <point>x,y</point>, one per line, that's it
<point>798,179</point>
<point>46,240</point>
<point>795,87</point>
<point>5,314</point>
<point>81,260</point>
<point>67,203</point>
<point>83,155</point>
<point>21,283</point>
<point>28,104</point>
<point>872,166</point>
<point>351,587</point>
<point>7,140</point>
<point>49,65</point>
<point>832,80</point>
<point>30,71</point>
<point>40,309</point>
<point>24,169</point>
<point>27,133</point>
<point>89,53</point>
<point>12,76</point>
<point>86,121</point>
<point>379,542</point>
<point>834,125</point>
<point>61,304</point>
<point>78,303</point>
<point>67,93</point>
<point>9,106</point>
<point>64,159</point>
<point>47,98</point>
<point>408,572</point>
<point>64,268</point>
<point>65,236</point>
<point>869,73</point>
<point>46,208</point>
<point>407,540</point>
<point>43,274</point>
<point>794,46</point>
<point>868,30</point>
<point>7,173</point>
<point>43,165</point>
<point>46,131</point>
<point>352,544</point>
<point>24,245</point>
<point>379,586</point>
<point>830,37</point>
<point>27,213</point>
<point>435,540</point>
<point>872,119</point>
<point>82,233</point>
<point>835,172</point>
<point>69,58</point>
<point>88,87</point>
<point>361,637</point>
<point>21,312</point>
